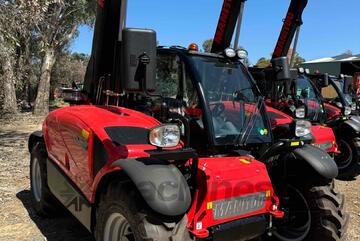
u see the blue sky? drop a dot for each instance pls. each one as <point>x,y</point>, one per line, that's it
<point>330,26</point>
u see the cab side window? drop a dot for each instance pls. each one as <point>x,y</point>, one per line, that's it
<point>168,76</point>
<point>329,92</point>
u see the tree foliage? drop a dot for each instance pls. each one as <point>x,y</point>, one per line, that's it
<point>207,44</point>
<point>298,59</point>
<point>263,62</point>
<point>56,31</point>
<point>69,67</point>
<point>32,35</point>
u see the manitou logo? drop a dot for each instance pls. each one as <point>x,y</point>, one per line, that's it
<point>284,35</point>
<point>225,12</point>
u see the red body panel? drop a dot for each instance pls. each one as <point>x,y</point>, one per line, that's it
<point>277,117</point>
<point>227,178</point>
<point>63,131</point>
<point>69,135</point>
<point>323,135</point>
<point>331,111</point>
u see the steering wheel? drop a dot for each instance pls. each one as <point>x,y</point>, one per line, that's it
<point>218,109</point>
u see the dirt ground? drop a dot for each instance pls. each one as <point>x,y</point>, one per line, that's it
<point>18,220</point>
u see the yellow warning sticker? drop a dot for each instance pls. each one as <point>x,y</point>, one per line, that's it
<point>245,161</point>
<point>295,143</point>
<point>85,134</point>
<point>268,193</point>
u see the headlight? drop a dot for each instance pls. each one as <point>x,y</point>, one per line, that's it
<point>242,54</point>
<point>230,53</point>
<point>300,112</point>
<point>347,110</point>
<point>302,128</point>
<point>165,136</point>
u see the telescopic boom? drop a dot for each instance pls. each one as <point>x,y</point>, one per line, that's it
<point>229,16</point>
<point>292,21</point>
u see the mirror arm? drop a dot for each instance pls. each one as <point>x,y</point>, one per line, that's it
<point>144,60</point>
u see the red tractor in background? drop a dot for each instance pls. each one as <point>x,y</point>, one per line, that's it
<point>172,144</point>
<point>323,137</point>
<point>297,96</point>
<point>341,114</point>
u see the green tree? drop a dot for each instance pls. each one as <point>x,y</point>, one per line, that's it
<point>58,28</point>
<point>263,62</point>
<point>298,60</point>
<point>207,44</point>
<point>16,20</point>
<point>69,67</point>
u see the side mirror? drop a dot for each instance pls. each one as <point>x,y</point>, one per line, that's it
<point>281,68</point>
<point>348,80</point>
<point>138,60</point>
<point>282,74</point>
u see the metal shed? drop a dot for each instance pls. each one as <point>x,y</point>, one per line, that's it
<point>341,64</point>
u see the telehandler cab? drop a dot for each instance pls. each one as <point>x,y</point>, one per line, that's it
<point>173,144</point>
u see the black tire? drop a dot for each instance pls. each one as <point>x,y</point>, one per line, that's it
<point>349,162</point>
<point>122,204</point>
<point>328,220</point>
<point>45,203</point>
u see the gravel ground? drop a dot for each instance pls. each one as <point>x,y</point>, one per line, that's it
<point>18,220</point>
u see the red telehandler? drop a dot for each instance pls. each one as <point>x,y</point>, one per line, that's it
<point>173,144</point>
<point>296,95</point>
<point>323,137</point>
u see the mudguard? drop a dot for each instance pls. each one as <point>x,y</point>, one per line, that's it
<point>353,124</point>
<point>34,138</point>
<point>319,160</point>
<point>355,118</point>
<point>162,186</point>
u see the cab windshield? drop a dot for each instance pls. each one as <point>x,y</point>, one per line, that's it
<point>305,93</point>
<point>237,111</point>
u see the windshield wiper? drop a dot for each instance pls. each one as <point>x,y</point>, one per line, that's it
<point>244,135</point>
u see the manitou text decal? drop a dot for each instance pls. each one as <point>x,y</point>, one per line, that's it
<point>225,12</point>
<point>284,34</point>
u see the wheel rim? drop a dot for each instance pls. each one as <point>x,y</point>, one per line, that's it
<point>298,219</point>
<point>117,228</point>
<point>36,179</point>
<point>344,159</point>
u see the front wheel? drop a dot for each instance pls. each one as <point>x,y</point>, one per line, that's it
<point>312,213</point>
<point>123,215</point>
<point>45,203</point>
<point>349,159</point>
